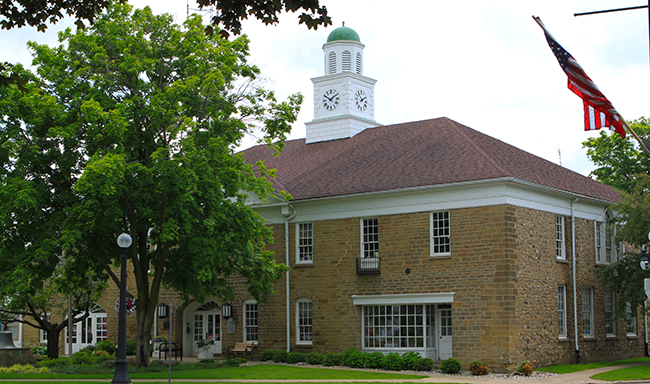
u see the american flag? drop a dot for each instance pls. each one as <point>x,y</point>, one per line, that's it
<point>599,112</point>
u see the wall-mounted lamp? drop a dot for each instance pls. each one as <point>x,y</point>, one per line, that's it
<point>226,311</point>
<point>162,310</point>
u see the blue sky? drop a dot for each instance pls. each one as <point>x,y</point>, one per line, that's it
<point>483,64</point>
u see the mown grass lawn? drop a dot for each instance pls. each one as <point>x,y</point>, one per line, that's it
<point>248,372</point>
<point>570,368</point>
<point>639,372</point>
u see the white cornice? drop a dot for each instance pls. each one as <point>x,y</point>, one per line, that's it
<point>417,298</point>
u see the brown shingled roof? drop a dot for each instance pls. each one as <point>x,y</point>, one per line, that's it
<point>417,154</point>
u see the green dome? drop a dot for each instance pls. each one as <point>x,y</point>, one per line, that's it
<point>343,33</point>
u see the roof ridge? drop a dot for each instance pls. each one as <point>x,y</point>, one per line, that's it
<point>456,127</point>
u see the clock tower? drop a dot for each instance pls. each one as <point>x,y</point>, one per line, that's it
<point>344,99</point>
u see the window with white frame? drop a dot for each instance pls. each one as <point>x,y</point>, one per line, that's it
<point>304,243</point>
<point>606,252</point>
<point>561,311</point>
<point>14,327</point>
<point>369,237</point>
<point>560,247</point>
<point>610,323</point>
<point>43,334</point>
<point>440,230</point>
<point>630,319</point>
<point>251,332</point>
<point>396,326</point>
<point>587,311</point>
<point>304,321</point>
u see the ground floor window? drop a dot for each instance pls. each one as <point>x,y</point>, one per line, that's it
<point>250,321</point>
<point>304,321</point>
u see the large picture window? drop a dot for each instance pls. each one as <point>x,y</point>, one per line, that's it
<point>393,326</point>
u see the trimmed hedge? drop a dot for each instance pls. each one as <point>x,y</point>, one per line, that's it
<point>354,358</point>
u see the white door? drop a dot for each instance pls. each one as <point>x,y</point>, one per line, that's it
<point>207,325</point>
<point>89,331</point>
<point>444,331</point>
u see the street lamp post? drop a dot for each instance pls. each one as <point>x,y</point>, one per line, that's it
<point>121,364</point>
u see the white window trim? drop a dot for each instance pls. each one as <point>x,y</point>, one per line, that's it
<point>629,317</point>
<point>298,302</point>
<point>563,325</point>
<point>431,245</point>
<point>601,236</point>
<point>245,325</point>
<point>589,312</point>
<point>298,261</point>
<point>560,238</point>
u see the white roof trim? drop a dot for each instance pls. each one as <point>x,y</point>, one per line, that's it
<point>417,298</point>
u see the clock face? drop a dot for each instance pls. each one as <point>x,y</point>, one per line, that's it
<point>331,99</point>
<point>361,99</point>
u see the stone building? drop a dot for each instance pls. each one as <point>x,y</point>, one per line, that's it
<point>426,236</point>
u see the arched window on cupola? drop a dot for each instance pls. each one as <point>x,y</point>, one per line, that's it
<point>332,63</point>
<point>347,61</point>
<point>359,71</point>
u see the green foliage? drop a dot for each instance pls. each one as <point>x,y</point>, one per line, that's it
<point>267,355</point>
<point>373,360</point>
<point>353,358</point>
<point>450,365</point>
<point>281,356</point>
<point>314,358</point>
<point>619,160</point>
<point>131,346</point>
<point>234,362</point>
<point>295,357</point>
<point>58,362</point>
<point>332,359</point>
<point>106,346</point>
<point>525,369</point>
<point>424,364</point>
<point>393,362</point>
<point>410,360</point>
<point>39,350</point>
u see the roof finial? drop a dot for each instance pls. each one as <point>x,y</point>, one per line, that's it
<point>344,23</point>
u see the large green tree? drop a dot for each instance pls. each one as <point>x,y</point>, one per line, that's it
<point>622,164</point>
<point>132,126</point>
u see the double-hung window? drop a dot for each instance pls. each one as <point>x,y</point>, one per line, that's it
<point>439,231</point>
<point>561,311</point>
<point>560,246</point>
<point>606,252</point>
<point>304,321</point>
<point>251,332</point>
<point>610,322</point>
<point>630,319</point>
<point>369,238</point>
<point>588,311</point>
<point>304,243</point>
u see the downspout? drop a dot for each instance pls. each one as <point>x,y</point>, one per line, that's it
<point>288,216</point>
<point>575,289</point>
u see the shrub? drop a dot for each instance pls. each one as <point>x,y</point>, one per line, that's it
<point>352,358</point>
<point>373,360</point>
<point>392,362</point>
<point>478,368</point>
<point>314,358</point>
<point>281,356</point>
<point>58,362</point>
<point>525,369</point>
<point>267,355</point>
<point>295,357</point>
<point>233,362</point>
<point>43,370</point>
<point>131,346</point>
<point>450,365</point>
<point>425,364</point>
<point>38,350</point>
<point>410,360</point>
<point>332,359</point>
<point>106,346</point>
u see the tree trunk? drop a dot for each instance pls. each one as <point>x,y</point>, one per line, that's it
<point>52,343</point>
<point>145,323</point>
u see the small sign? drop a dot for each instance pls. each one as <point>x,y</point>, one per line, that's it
<point>231,326</point>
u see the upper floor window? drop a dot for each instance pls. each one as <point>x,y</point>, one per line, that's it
<point>304,321</point>
<point>304,243</point>
<point>606,252</point>
<point>251,333</point>
<point>440,230</point>
<point>346,61</point>
<point>331,63</point>
<point>369,237</point>
<point>560,247</point>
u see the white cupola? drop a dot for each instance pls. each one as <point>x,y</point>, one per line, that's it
<point>344,99</point>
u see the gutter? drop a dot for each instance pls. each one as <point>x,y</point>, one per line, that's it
<point>288,216</point>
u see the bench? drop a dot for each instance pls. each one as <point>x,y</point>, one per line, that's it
<point>167,349</point>
<point>243,350</point>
